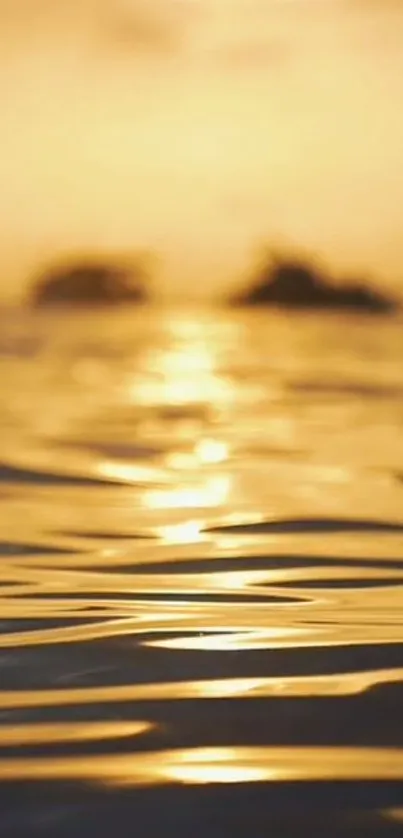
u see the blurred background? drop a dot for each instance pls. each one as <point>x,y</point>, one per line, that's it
<point>198,129</point>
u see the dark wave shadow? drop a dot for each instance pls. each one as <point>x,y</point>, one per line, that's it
<point>309,525</point>
<point>15,474</point>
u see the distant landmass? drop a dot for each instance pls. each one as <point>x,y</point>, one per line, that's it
<point>88,284</point>
<point>296,285</point>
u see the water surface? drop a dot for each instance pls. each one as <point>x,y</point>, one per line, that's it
<point>201,577</point>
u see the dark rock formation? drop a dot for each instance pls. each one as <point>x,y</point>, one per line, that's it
<point>296,285</point>
<point>87,284</point>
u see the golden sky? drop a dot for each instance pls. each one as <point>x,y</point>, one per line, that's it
<point>202,128</point>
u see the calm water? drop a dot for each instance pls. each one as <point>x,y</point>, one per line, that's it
<point>201,537</point>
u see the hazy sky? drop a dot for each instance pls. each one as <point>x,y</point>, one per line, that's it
<point>202,128</point>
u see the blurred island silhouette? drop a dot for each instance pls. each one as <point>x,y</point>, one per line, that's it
<point>88,283</point>
<point>280,281</point>
<point>295,283</point>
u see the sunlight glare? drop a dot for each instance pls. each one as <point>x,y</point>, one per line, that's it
<point>188,533</point>
<point>211,451</point>
<point>211,493</point>
<point>217,765</point>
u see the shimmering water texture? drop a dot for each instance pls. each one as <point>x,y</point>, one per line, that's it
<point>201,575</point>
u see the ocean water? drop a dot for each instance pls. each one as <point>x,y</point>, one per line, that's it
<point>201,575</point>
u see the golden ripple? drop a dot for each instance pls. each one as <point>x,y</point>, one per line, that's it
<point>210,766</point>
<point>287,618</point>
<point>314,686</point>
<point>41,734</point>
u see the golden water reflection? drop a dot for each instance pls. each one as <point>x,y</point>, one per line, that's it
<point>209,766</point>
<point>39,734</point>
<point>204,513</point>
<point>320,686</point>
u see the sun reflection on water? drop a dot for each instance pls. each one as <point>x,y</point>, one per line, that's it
<point>208,567</point>
<point>217,765</point>
<point>188,533</point>
<point>184,372</point>
<point>214,765</point>
<point>212,492</point>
